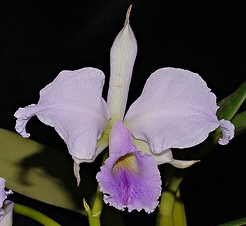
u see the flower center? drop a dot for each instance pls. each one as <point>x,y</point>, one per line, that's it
<point>126,162</point>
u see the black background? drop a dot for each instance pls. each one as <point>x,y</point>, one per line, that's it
<point>40,38</point>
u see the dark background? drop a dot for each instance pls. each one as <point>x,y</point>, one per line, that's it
<point>40,38</point>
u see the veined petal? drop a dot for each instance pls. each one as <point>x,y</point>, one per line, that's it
<point>129,178</point>
<point>74,106</point>
<point>122,57</point>
<point>176,109</point>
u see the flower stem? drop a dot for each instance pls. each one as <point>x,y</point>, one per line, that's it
<point>34,214</point>
<point>95,213</point>
<point>166,208</point>
<point>93,217</point>
<point>179,217</point>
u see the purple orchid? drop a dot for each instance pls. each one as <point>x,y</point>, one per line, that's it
<point>175,110</point>
<point>6,206</point>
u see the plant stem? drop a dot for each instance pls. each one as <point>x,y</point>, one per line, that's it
<point>165,214</point>
<point>179,217</point>
<point>34,214</point>
<point>93,218</point>
<point>95,213</point>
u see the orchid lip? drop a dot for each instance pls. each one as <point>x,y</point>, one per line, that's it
<point>129,178</point>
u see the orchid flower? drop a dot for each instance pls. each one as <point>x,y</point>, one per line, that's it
<point>6,206</point>
<point>175,110</point>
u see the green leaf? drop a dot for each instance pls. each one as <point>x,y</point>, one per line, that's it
<point>237,222</point>
<point>239,121</point>
<point>230,105</point>
<point>42,173</point>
